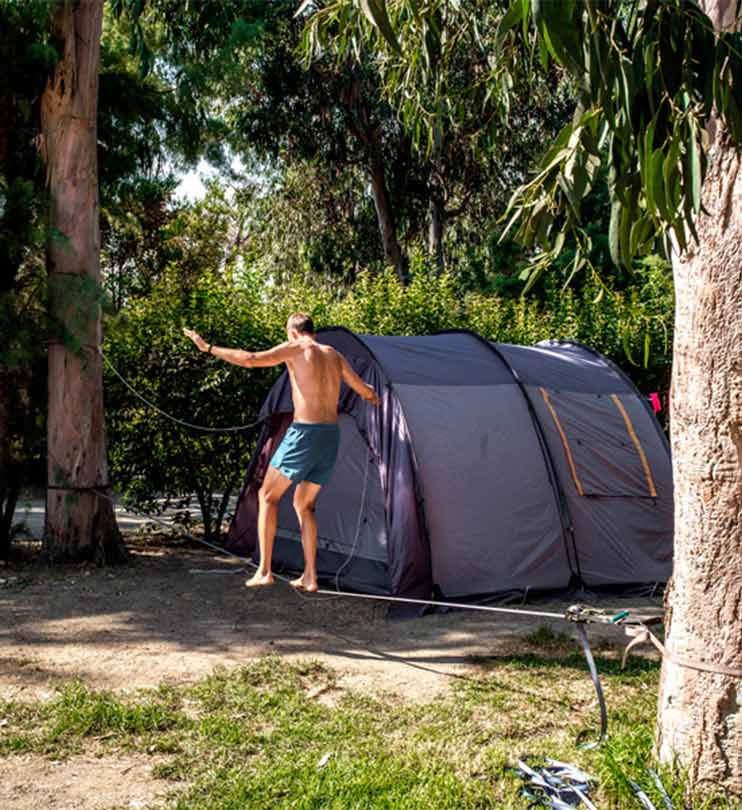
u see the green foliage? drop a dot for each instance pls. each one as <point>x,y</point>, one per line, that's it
<point>151,455</point>
<point>138,123</point>
<point>313,133</point>
<point>647,77</point>
<point>648,80</point>
<point>26,53</point>
<point>379,304</point>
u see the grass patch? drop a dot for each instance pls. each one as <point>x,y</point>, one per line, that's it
<point>545,637</point>
<point>256,737</point>
<point>77,715</point>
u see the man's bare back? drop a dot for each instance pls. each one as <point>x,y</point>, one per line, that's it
<point>316,373</point>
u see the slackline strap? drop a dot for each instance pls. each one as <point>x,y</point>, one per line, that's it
<point>641,796</point>
<point>582,635</point>
<point>553,784</point>
<point>661,788</point>
<point>641,634</point>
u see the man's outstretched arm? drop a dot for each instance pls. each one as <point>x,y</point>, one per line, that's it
<point>240,357</point>
<point>352,380</point>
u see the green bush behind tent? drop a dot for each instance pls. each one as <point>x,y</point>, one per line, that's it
<point>152,456</point>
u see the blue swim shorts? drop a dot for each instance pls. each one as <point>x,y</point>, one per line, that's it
<point>308,452</point>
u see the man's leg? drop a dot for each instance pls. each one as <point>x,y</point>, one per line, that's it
<point>305,497</point>
<point>274,487</point>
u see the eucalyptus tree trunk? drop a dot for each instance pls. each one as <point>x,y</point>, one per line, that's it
<point>79,523</point>
<point>384,215</point>
<point>436,204</point>
<point>700,721</point>
<point>700,716</point>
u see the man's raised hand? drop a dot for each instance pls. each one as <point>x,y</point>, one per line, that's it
<point>197,339</point>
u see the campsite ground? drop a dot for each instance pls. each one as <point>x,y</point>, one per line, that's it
<point>175,613</point>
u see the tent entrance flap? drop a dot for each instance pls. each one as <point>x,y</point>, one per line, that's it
<point>351,519</point>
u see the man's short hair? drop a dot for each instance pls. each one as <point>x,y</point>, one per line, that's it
<point>302,322</point>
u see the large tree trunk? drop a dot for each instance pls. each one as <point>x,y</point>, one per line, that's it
<point>79,523</point>
<point>700,717</point>
<point>700,721</point>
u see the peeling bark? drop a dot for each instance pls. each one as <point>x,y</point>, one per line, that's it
<point>79,524</point>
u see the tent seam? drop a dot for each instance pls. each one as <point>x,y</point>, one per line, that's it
<point>637,444</point>
<point>554,480</point>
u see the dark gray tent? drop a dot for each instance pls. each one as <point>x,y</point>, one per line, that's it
<point>487,468</point>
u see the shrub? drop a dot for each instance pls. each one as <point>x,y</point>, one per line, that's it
<point>151,455</point>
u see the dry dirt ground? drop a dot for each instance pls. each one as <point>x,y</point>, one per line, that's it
<point>123,782</point>
<point>174,613</point>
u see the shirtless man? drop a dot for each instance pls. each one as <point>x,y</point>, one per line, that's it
<point>307,454</point>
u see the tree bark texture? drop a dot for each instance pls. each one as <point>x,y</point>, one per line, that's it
<point>437,205</point>
<point>385,217</point>
<point>79,524</point>
<point>700,722</point>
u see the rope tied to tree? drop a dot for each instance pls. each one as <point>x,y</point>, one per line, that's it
<point>641,634</point>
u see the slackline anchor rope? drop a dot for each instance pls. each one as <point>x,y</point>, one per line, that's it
<point>582,635</point>
<point>641,634</point>
<point>183,422</point>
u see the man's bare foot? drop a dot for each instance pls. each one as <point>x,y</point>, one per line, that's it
<point>305,584</point>
<point>258,579</point>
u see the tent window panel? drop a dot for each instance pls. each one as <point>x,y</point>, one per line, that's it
<point>607,451</point>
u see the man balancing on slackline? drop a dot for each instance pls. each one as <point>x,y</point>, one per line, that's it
<point>308,451</point>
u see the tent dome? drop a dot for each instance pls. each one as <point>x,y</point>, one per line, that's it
<point>487,468</point>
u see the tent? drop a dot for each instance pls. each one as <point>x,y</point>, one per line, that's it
<point>487,468</point>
